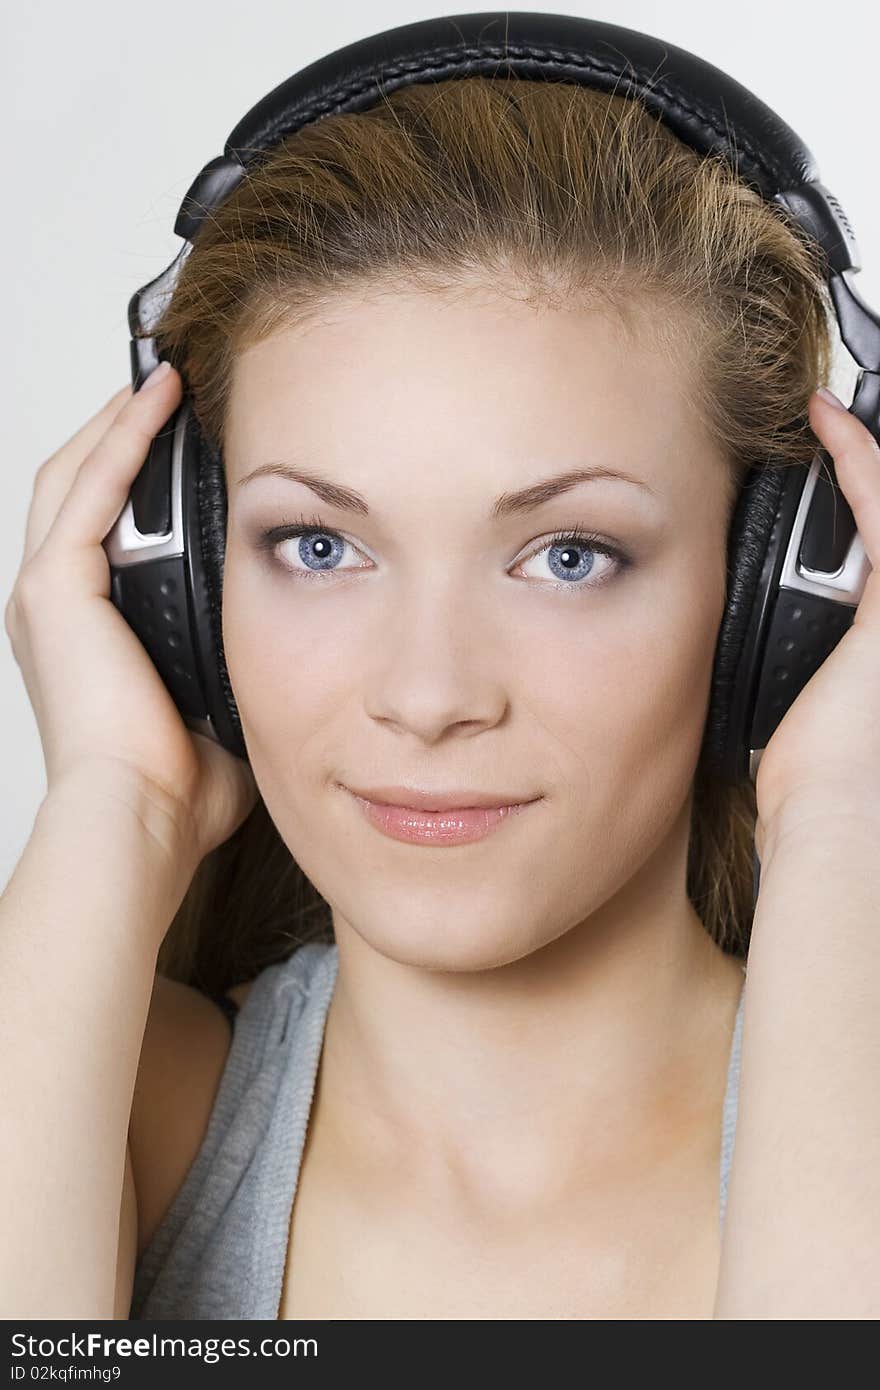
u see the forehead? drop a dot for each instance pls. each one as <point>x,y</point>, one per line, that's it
<point>386,380</point>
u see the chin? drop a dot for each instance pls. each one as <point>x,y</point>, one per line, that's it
<point>418,937</point>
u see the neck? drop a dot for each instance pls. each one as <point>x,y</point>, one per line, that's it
<point>615,1034</point>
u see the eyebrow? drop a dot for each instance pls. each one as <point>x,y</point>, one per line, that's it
<point>508,504</point>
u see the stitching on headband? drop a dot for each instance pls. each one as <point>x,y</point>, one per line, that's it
<point>424,63</point>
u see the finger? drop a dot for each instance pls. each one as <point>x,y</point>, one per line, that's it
<point>56,475</point>
<point>856,456</point>
<point>103,481</point>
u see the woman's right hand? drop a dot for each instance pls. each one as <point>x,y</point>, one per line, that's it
<point>105,717</point>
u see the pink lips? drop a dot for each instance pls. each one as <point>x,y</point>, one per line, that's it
<point>453,826</point>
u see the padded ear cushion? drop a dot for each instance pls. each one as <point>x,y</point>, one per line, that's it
<point>211,489</point>
<point>749,534</point>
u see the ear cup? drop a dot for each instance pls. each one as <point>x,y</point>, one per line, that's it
<point>203,466</point>
<point>752,535</point>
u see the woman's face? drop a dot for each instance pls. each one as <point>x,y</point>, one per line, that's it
<point>439,639</point>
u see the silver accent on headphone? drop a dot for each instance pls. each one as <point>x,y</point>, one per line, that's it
<point>151,301</point>
<point>847,584</point>
<point>124,543</point>
<point>202,726</point>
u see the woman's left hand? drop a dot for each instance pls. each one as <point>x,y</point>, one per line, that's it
<point>824,756</point>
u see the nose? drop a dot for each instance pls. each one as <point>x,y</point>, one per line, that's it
<point>437,667</point>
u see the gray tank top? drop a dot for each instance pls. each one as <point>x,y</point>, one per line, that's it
<point>221,1248</point>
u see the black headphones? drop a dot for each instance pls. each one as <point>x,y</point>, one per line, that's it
<point>796,564</point>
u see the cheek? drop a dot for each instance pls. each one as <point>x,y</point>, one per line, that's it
<point>288,648</point>
<point>623,691</point>
<point>291,674</point>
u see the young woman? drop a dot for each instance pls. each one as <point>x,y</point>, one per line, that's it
<point>486,364</point>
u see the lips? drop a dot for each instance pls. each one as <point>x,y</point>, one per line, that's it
<point>456,825</point>
<point>421,799</point>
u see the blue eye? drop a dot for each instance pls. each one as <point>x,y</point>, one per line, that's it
<point>319,548</point>
<point>571,554</point>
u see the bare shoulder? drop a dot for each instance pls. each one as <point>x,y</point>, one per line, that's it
<point>184,1050</point>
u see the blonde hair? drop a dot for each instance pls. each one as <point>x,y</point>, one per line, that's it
<point>559,189</point>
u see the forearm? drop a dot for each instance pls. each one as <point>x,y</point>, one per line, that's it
<point>802,1228</point>
<point>81,920</point>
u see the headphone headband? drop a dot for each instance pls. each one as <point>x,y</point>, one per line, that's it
<point>700,103</point>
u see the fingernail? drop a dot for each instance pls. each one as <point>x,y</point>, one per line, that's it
<point>157,375</point>
<point>830,397</point>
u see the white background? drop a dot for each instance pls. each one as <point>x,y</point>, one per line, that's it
<point>112,109</point>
